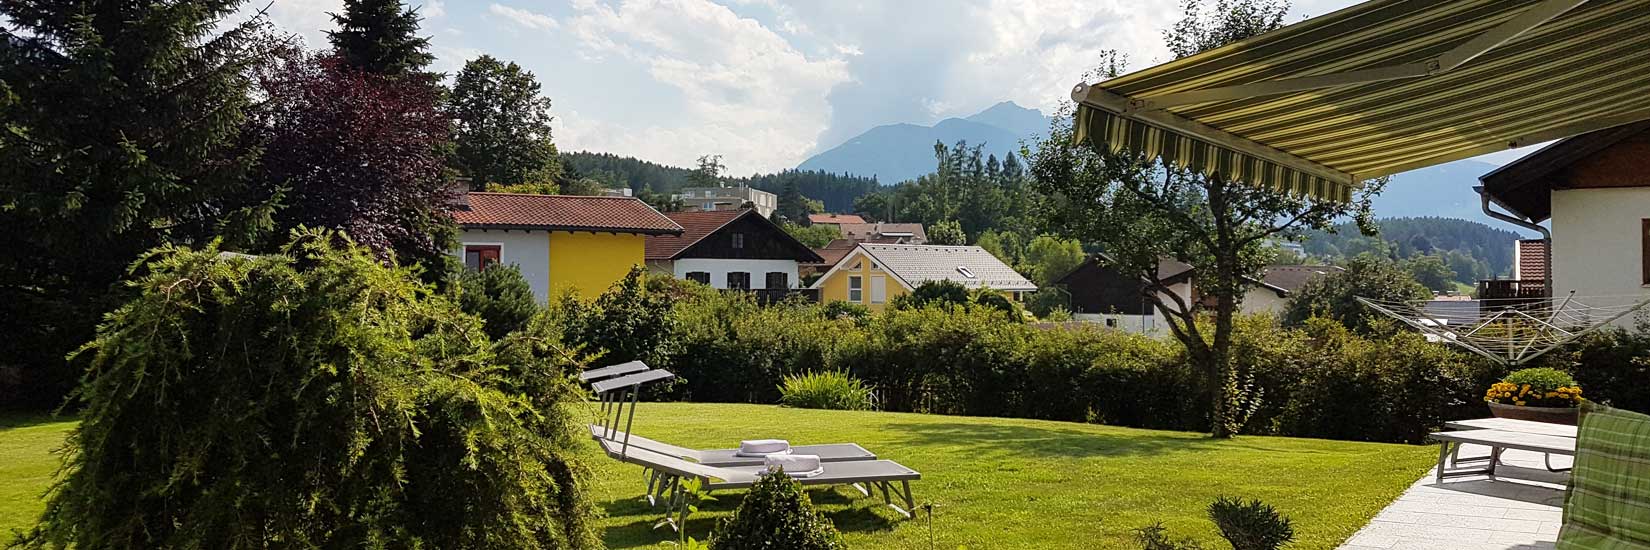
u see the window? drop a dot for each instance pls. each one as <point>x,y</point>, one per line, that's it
<point>879,289</point>
<point>738,240</point>
<point>855,293</point>
<point>1111,322</point>
<point>479,256</point>
<point>965,271</point>
<point>699,277</point>
<point>778,280</point>
<point>739,280</point>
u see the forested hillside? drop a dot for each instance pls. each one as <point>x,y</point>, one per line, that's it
<point>837,191</point>
<point>1471,249</point>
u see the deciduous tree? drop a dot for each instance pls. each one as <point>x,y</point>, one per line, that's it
<point>1141,211</point>
<point>502,125</point>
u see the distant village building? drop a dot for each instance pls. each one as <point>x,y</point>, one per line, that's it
<point>902,233</point>
<point>729,249</point>
<point>873,274</point>
<point>1102,294</point>
<point>710,199</point>
<point>561,243</point>
<point>834,219</point>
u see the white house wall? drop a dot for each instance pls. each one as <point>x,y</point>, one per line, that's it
<point>529,251</point>
<point>1263,300</point>
<point>1597,246</point>
<point>719,269</point>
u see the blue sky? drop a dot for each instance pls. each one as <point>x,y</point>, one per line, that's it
<point>766,83</point>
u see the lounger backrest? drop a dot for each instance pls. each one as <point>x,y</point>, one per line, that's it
<point>630,380</point>
<point>620,369</point>
<point>666,463</point>
<point>645,443</point>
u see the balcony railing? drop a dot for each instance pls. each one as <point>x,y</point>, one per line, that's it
<point>767,296</point>
<point>1512,289</point>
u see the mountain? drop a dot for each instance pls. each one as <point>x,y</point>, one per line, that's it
<point>897,152</point>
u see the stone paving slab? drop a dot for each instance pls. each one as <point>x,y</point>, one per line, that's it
<point>1520,510</point>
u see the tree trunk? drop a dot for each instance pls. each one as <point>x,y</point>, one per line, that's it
<point>1225,287</point>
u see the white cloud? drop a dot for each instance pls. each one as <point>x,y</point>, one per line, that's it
<point>433,9</point>
<point>525,18</point>
<point>747,93</point>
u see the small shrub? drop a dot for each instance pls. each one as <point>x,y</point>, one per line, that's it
<point>1057,315</point>
<point>838,309</point>
<point>1156,537</point>
<point>1251,525</point>
<point>833,390</point>
<point>1536,387</point>
<point>776,513</point>
<point>937,293</point>
<point>1048,299</point>
<point>500,296</point>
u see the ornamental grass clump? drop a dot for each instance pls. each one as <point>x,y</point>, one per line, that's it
<point>312,398</point>
<point>833,390</point>
<point>1537,387</point>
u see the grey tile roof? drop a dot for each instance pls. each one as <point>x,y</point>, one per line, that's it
<point>918,263</point>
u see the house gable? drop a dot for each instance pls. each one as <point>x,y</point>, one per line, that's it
<point>1099,288</point>
<point>749,237</point>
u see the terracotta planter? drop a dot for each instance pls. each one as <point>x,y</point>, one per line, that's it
<point>1551,415</point>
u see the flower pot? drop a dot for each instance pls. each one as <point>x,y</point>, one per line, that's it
<point>1551,415</point>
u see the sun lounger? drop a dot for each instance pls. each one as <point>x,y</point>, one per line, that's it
<point>1513,425</point>
<point>879,474</point>
<point>1498,441</point>
<point>831,452</point>
<point>621,369</point>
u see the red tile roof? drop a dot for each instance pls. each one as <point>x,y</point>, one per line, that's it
<point>835,218</point>
<point>695,226</point>
<point>565,212</point>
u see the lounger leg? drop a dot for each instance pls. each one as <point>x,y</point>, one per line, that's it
<point>883,486</point>
<point>1495,459</point>
<point>862,490</point>
<point>910,503</point>
<point>1443,453</point>
<point>1548,457</point>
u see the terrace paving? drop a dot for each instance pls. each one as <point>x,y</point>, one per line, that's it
<point>1520,510</point>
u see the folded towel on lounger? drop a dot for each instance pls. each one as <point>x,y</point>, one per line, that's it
<point>795,465</point>
<point>763,447</point>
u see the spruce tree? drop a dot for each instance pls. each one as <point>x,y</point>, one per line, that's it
<point>380,37</point>
<point>124,122</point>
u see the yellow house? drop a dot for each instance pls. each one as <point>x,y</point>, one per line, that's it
<point>561,243</point>
<point>873,274</point>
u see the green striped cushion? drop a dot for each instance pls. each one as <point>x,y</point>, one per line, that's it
<point>1608,507</point>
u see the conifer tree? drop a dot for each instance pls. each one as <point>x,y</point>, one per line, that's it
<point>380,37</point>
<point>124,132</point>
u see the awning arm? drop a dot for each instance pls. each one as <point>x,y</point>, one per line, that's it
<point>1100,98</point>
<point>1536,16</point>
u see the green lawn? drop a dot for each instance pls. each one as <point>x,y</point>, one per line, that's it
<point>995,483</point>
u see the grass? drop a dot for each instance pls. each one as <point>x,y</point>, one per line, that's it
<point>995,483</point>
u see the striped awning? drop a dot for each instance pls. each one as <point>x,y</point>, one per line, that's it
<point>1382,87</point>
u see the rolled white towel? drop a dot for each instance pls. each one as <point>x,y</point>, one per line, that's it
<point>763,447</point>
<point>795,465</point>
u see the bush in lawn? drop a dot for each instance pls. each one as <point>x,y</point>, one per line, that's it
<point>500,296</point>
<point>834,390</point>
<point>313,397</point>
<point>776,513</point>
<point>1251,525</point>
<point>1156,537</point>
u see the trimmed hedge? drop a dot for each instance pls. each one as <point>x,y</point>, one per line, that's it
<point>1317,380</point>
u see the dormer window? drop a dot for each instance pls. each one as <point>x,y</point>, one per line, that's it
<point>965,271</point>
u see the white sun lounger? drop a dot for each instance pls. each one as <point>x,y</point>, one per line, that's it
<point>830,452</point>
<point>879,474</point>
<point>621,369</point>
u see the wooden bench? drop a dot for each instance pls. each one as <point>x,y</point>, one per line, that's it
<point>1498,441</point>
